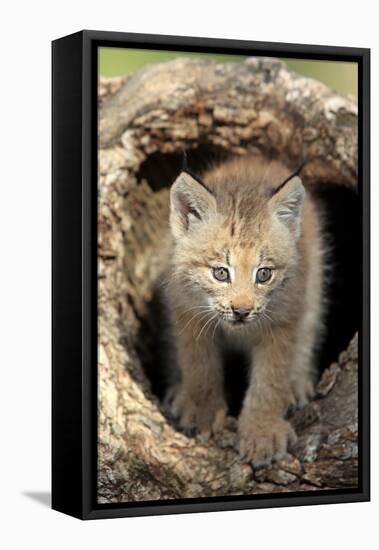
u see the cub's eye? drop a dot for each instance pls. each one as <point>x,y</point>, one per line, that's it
<point>263,275</point>
<point>221,274</point>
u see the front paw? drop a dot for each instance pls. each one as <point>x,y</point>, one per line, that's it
<point>264,439</point>
<point>202,414</point>
<point>303,390</point>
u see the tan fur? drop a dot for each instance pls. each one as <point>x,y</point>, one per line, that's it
<point>236,220</point>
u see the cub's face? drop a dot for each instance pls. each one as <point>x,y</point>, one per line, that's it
<point>235,266</point>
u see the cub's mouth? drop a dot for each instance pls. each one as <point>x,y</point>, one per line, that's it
<point>232,321</point>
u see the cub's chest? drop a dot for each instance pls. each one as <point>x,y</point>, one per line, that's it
<point>239,339</point>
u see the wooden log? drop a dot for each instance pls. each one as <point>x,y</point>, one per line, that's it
<point>151,116</point>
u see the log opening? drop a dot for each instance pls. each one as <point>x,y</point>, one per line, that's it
<point>341,275</point>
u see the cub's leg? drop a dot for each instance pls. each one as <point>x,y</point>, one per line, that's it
<point>302,372</point>
<point>264,434</point>
<point>199,400</point>
<point>309,334</point>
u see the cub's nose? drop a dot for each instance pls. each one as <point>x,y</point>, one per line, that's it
<point>240,313</point>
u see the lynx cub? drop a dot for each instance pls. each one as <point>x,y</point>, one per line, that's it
<point>246,271</point>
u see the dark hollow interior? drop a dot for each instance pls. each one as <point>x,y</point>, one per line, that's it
<point>343,277</point>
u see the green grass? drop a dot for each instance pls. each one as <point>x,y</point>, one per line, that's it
<point>340,76</point>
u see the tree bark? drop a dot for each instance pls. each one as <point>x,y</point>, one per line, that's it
<point>255,106</point>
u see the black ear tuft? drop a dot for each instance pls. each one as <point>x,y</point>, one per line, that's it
<point>289,178</point>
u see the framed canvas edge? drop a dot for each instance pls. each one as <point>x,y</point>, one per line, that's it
<point>86,507</point>
<point>67,128</point>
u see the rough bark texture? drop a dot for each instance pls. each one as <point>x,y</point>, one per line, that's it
<point>253,106</point>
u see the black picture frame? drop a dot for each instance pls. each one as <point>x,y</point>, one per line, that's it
<point>74,272</point>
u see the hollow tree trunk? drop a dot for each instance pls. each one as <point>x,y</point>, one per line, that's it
<point>258,105</point>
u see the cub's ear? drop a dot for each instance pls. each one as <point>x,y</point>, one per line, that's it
<point>287,204</point>
<point>191,204</point>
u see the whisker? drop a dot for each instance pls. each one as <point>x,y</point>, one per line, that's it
<point>191,308</point>
<point>266,317</point>
<point>192,318</point>
<point>210,325</point>
<point>184,313</point>
<point>207,322</point>
<point>260,326</point>
<point>215,327</point>
<point>205,316</point>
